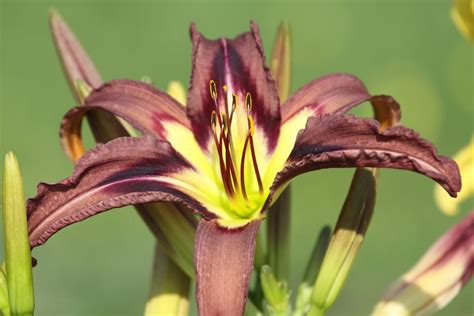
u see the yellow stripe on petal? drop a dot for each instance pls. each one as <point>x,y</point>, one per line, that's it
<point>465,160</point>
<point>288,132</point>
<point>463,16</point>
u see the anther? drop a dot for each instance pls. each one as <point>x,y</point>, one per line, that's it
<point>213,89</point>
<point>248,102</point>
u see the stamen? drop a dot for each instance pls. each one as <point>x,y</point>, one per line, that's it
<point>230,169</point>
<point>234,106</point>
<point>254,157</point>
<point>225,145</point>
<point>242,171</point>
<point>218,143</point>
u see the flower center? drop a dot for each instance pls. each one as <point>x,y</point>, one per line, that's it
<point>232,162</point>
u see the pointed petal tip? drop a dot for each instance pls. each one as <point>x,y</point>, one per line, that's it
<point>347,141</point>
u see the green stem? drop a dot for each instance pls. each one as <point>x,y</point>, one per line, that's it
<point>316,311</point>
<point>278,236</point>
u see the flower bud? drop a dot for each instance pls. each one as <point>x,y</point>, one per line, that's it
<point>17,248</point>
<point>437,277</point>
<point>280,65</point>
<point>276,293</point>
<point>348,235</point>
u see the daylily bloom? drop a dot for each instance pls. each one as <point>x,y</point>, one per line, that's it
<point>227,155</point>
<point>437,277</point>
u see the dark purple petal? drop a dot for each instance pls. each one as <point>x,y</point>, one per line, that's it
<point>223,259</point>
<point>239,65</point>
<point>146,108</point>
<point>336,93</point>
<point>339,141</point>
<point>139,103</point>
<point>122,172</point>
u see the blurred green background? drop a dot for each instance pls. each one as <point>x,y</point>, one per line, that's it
<point>409,49</point>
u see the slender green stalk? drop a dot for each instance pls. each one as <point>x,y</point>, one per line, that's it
<point>278,236</point>
<point>17,248</point>
<point>169,294</point>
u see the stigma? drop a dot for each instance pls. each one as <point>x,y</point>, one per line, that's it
<point>233,151</point>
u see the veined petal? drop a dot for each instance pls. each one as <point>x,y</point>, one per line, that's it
<point>223,259</point>
<point>335,93</point>
<point>345,141</point>
<point>465,160</point>
<point>122,172</point>
<point>237,67</point>
<point>78,67</point>
<point>145,107</point>
<point>148,109</point>
<point>332,94</point>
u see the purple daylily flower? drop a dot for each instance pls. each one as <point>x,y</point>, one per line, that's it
<point>227,154</point>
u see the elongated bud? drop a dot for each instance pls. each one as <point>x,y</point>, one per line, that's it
<point>76,63</point>
<point>463,16</point>
<point>276,292</point>
<point>82,90</point>
<point>465,161</point>
<point>17,248</point>
<point>348,235</point>
<point>305,289</point>
<point>169,294</point>
<point>177,91</point>
<point>437,277</point>
<point>280,64</point>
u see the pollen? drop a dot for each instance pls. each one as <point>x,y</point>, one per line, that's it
<point>232,165</point>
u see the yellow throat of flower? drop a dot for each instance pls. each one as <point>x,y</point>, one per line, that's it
<point>235,153</point>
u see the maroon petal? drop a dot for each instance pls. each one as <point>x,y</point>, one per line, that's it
<point>239,65</point>
<point>78,66</point>
<point>336,93</point>
<point>223,260</point>
<point>345,141</point>
<point>139,103</point>
<point>146,108</point>
<point>122,172</point>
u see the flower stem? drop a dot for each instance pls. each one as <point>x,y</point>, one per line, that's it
<point>278,233</point>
